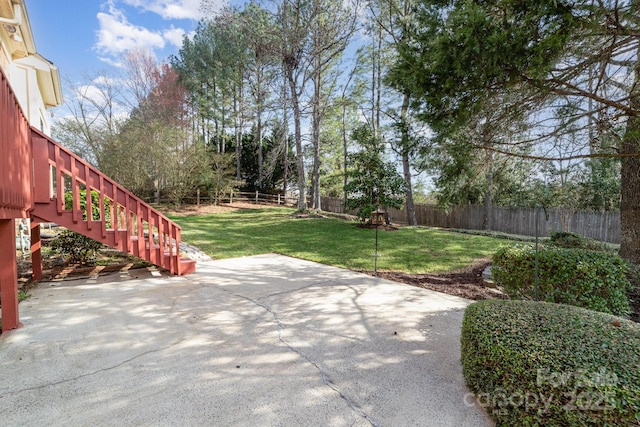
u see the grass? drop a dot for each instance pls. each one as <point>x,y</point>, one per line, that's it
<point>333,241</point>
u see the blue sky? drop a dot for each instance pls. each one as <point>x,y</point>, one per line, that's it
<point>83,37</point>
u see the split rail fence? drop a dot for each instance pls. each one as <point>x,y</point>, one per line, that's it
<point>248,197</point>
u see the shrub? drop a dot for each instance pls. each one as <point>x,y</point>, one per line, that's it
<point>79,248</point>
<point>565,239</point>
<point>594,280</point>
<point>95,205</point>
<point>542,364</point>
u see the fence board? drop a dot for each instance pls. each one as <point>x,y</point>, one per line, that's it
<point>603,226</point>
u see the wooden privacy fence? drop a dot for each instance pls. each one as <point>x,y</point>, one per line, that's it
<point>603,226</point>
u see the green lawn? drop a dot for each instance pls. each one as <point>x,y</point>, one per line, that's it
<point>333,241</point>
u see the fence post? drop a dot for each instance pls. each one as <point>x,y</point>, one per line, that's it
<point>198,197</point>
<point>278,199</point>
<point>256,197</point>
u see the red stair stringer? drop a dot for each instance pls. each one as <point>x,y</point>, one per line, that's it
<point>120,220</point>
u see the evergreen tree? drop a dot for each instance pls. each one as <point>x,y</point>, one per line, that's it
<point>373,182</point>
<point>570,70</point>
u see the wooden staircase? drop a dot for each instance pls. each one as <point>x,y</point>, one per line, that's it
<point>36,174</point>
<point>98,208</point>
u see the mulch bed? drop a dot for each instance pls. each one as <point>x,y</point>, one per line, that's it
<point>55,268</point>
<point>466,283</point>
<point>385,227</point>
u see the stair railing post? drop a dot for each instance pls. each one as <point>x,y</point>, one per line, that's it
<point>59,181</point>
<point>88,202</point>
<point>149,242</point>
<point>178,263</point>
<point>115,214</point>
<point>75,191</point>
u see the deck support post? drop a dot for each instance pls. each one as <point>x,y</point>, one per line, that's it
<point>9,275</point>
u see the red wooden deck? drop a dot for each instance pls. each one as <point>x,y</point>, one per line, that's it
<point>35,175</point>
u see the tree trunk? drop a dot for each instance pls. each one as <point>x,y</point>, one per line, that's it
<point>630,191</point>
<point>379,83</point>
<point>488,202</point>
<point>630,179</point>
<point>630,203</point>
<point>295,104</point>
<point>202,118</point>
<point>315,191</point>
<point>237,132</point>
<point>345,140</point>
<point>216,127</point>
<point>223,124</point>
<point>259,127</point>
<point>344,152</point>
<point>285,140</point>
<point>156,191</point>
<point>406,164</point>
<point>411,208</point>
<point>373,86</point>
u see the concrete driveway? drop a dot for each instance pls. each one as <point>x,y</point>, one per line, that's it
<point>258,341</point>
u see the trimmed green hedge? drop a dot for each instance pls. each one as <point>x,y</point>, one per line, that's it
<point>541,364</point>
<point>594,280</point>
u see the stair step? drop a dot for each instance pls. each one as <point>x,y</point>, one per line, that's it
<point>187,266</point>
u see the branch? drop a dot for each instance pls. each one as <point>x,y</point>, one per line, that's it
<point>561,158</point>
<point>573,90</point>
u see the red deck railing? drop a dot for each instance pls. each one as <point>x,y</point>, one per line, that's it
<point>15,156</point>
<point>71,192</point>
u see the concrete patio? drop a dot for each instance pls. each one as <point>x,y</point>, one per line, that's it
<point>257,341</point>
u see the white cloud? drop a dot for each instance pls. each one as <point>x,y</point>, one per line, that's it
<point>111,61</point>
<point>174,36</point>
<point>104,80</point>
<point>91,93</point>
<point>117,35</point>
<point>170,9</point>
